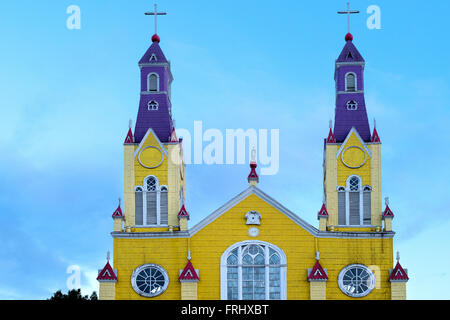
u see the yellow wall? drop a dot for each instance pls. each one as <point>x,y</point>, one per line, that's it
<point>208,244</point>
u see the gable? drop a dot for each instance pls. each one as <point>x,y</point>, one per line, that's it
<point>150,158</point>
<point>353,158</point>
<point>273,217</point>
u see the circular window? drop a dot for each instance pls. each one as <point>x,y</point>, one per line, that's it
<point>356,280</point>
<point>149,280</point>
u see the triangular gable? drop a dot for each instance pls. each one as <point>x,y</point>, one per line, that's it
<point>317,273</point>
<point>150,139</point>
<point>107,273</point>
<point>399,274</point>
<point>361,141</point>
<point>263,196</point>
<point>188,273</point>
<point>354,56</point>
<point>154,49</point>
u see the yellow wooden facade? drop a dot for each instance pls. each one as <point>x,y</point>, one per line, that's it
<point>169,246</point>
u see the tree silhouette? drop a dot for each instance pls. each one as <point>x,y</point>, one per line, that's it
<point>72,295</point>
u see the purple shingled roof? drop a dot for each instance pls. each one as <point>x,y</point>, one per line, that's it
<point>350,54</point>
<point>154,49</point>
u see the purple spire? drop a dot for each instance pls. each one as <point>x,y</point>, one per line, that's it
<point>350,105</point>
<point>155,108</point>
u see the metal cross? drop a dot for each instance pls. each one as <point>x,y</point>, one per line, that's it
<point>348,13</point>
<point>156,14</point>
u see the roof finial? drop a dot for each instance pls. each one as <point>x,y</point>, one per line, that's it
<point>253,178</point>
<point>398,256</point>
<point>317,255</point>
<point>189,255</point>
<point>348,12</point>
<point>374,123</point>
<point>155,37</point>
<point>107,255</point>
<point>130,123</point>
<point>386,201</point>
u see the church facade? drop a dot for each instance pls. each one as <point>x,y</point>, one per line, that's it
<point>252,247</point>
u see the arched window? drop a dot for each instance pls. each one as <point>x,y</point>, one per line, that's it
<point>151,203</point>
<point>352,105</point>
<point>164,205</point>
<point>354,203</point>
<point>350,82</point>
<point>153,82</point>
<point>253,270</point>
<point>353,186</point>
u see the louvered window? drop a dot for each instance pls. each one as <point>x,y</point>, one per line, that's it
<point>153,82</point>
<point>341,206</point>
<point>164,219</point>
<point>367,205</point>
<point>350,82</point>
<point>354,203</point>
<point>151,203</point>
<point>139,209</point>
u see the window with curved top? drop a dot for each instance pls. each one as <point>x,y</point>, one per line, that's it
<point>253,270</point>
<point>153,82</point>
<point>350,82</point>
<point>151,203</point>
<point>354,203</point>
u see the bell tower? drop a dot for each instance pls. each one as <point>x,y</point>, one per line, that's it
<point>352,160</point>
<point>154,172</point>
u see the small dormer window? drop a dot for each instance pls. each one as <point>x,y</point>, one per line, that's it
<point>352,105</point>
<point>350,82</point>
<point>153,105</point>
<point>153,58</point>
<point>153,82</point>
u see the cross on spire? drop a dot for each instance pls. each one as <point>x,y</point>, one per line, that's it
<point>348,12</point>
<point>156,14</point>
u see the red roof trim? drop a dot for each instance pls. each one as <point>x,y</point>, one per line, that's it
<point>118,213</point>
<point>107,273</point>
<point>387,213</point>
<point>398,274</point>
<point>188,273</point>
<point>375,136</point>
<point>331,138</point>
<point>323,212</point>
<point>183,213</point>
<point>317,272</point>
<point>173,136</point>
<point>129,138</point>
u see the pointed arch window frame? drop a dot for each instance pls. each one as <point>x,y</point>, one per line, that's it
<point>240,245</point>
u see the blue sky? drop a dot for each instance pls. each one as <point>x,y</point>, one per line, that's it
<point>67,95</point>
